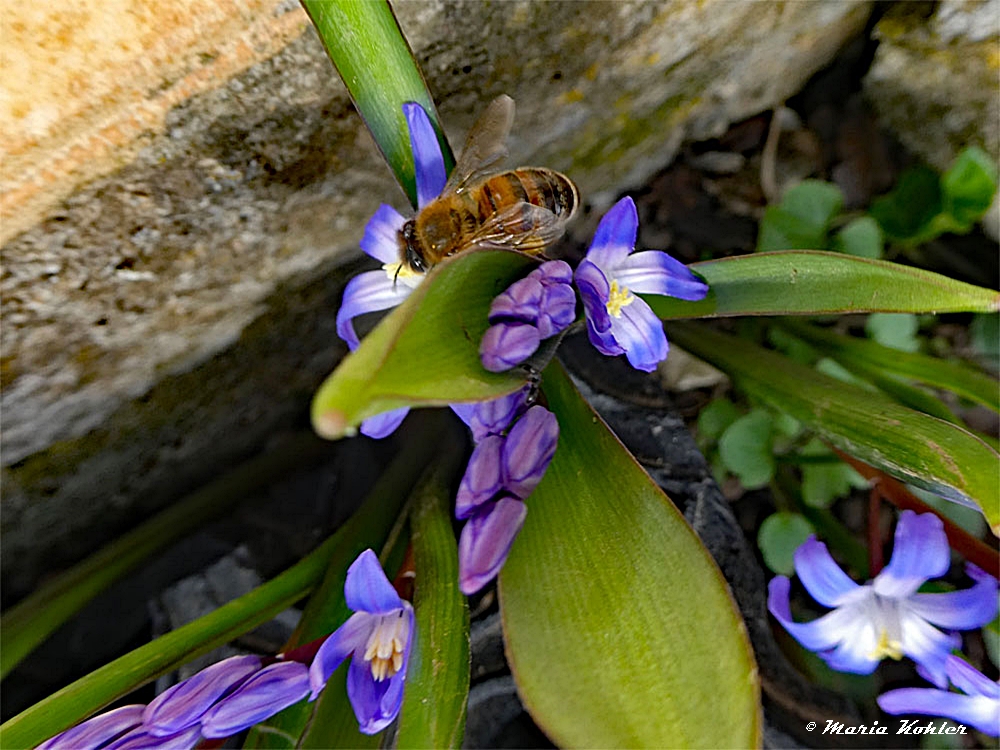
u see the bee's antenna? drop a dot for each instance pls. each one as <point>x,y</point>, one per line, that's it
<point>398,269</point>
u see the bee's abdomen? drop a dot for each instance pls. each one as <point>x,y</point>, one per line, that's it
<point>535,185</point>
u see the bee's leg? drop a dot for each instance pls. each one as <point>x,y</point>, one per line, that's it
<point>534,378</point>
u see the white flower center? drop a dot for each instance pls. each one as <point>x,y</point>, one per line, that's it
<point>618,297</point>
<point>384,650</point>
<point>403,274</point>
<point>886,621</point>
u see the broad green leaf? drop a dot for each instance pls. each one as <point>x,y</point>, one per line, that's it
<point>617,622</point>
<point>969,185</point>
<point>437,684</point>
<point>802,219</point>
<point>30,622</point>
<point>861,237</point>
<point>815,283</point>
<point>953,376</point>
<point>779,536</point>
<point>908,212</point>
<point>426,351</point>
<point>75,702</point>
<point>745,448</point>
<point>917,448</point>
<point>369,51</point>
<point>894,330</point>
<point>716,417</point>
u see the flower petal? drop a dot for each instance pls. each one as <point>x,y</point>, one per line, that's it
<point>615,236</point>
<point>655,272</point>
<point>506,345</point>
<point>366,696</point>
<point>553,273</point>
<point>183,704</point>
<point>381,238</point>
<point>141,739</point>
<point>367,292</point>
<point>640,333</point>
<point>557,310</point>
<point>518,303</point>
<point>272,689</point>
<point>391,700</point>
<point>98,730</point>
<point>822,577</point>
<point>427,159</point>
<point>927,646</point>
<point>366,589</point>
<point>384,424</point>
<point>350,636</point>
<point>979,712</point>
<point>482,479</point>
<point>491,417</point>
<point>819,635</point>
<point>595,290</point>
<point>920,552</point>
<point>959,610</point>
<point>528,450</point>
<point>486,541</point>
<point>970,680</point>
<point>604,342</point>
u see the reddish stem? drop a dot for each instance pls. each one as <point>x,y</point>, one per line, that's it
<point>972,549</point>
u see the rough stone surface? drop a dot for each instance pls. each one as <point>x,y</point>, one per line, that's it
<point>164,318</point>
<point>934,77</point>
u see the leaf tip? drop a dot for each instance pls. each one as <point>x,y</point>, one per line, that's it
<point>332,424</point>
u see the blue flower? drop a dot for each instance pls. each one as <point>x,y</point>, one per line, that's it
<point>979,707</point>
<point>379,635</point>
<point>527,312</point>
<point>98,731</point>
<point>380,290</point>
<point>886,617</point>
<point>618,322</point>
<point>502,472</point>
<point>272,689</point>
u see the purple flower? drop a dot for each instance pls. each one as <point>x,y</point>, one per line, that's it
<point>380,290</point>
<point>183,705</point>
<point>143,739</point>
<point>978,707</point>
<point>502,472</point>
<point>98,731</point>
<point>618,322</point>
<point>527,312</point>
<point>379,635</point>
<point>492,417</point>
<point>272,689</point>
<point>886,617</point>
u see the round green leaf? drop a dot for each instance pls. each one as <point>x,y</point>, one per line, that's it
<point>618,624</point>
<point>779,536</point>
<point>745,447</point>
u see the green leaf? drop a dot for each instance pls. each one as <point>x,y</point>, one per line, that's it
<point>824,483</point>
<point>370,53</point>
<point>426,351</point>
<point>991,637</point>
<point>30,622</point>
<point>985,333</point>
<point>437,683</point>
<point>907,213</point>
<point>746,449</point>
<point>953,376</point>
<point>861,237</point>
<point>894,330</point>
<point>779,536</point>
<point>969,186</point>
<point>367,527</point>
<point>919,449</point>
<point>716,417</point>
<point>818,283</point>
<point>802,219</point>
<point>617,621</point>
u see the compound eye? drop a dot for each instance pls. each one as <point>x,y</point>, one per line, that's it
<point>414,260</point>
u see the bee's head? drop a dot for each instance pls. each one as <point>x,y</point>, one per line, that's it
<point>411,247</point>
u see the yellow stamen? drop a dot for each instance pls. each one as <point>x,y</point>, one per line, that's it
<point>384,650</point>
<point>399,271</point>
<point>887,648</point>
<point>618,297</point>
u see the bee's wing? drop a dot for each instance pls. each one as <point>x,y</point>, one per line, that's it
<point>486,143</point>
<point>524,227</point>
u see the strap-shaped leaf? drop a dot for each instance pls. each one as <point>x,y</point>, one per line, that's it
<point>426,351</point>
<point>372,56</point>
<point>812,282</point>
<point>620,629</point>
<point>920,449</point>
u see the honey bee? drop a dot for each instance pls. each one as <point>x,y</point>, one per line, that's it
<point>524,209</point>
